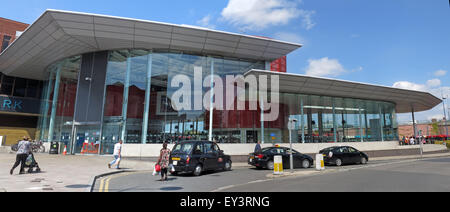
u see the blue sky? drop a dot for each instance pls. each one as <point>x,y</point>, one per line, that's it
<point>401,43</point>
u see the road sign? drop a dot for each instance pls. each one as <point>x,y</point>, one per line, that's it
<point>277,164</point>
<point>320,165</point>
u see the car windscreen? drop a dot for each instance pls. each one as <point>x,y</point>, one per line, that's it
<point>272,150</point>
<point>328,149</point>
<point>185,148</point>
<point>266,150</point>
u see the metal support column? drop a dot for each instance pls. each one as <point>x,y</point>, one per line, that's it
<point>303,121</point>
<point>360,124</point>
<point>147,98</point>
<point>334,124</point>
<point>125,98</point>
<point>414,122</point>
<point>46,107</point>
<point>211,99</point>
<point>261,103</point>
<point>381,123</point>
<point>54,103</point>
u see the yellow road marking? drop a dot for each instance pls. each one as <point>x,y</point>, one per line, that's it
<point>101,185</point>
<point>104,183</point>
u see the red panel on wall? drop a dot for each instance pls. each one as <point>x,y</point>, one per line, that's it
<point>279,65</point>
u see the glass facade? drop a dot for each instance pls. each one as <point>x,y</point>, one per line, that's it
<point>138,105</point>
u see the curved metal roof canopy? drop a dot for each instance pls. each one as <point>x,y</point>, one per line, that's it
<point>60,34</point>
<point>404,99</point>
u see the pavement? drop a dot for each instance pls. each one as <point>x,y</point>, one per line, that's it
<point>78,173</point>
<point>65,173</point>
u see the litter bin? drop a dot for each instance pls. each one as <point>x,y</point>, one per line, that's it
<point>54,148</point>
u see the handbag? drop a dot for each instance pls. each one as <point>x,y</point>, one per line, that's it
<point>155,172</point>
<point>157,168</point>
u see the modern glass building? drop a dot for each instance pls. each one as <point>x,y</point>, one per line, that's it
<point>109,78</point>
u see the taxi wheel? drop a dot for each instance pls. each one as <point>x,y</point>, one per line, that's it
<point>270,165</point>
<point>363,160</point>
<point>338,162</point>
<point>306,164</point>
<point>198,170</point>
<point>227,166</point>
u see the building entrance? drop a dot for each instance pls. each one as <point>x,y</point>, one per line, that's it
<point>86,139</point>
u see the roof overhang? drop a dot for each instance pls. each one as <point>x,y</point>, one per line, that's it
<point>61,34</point>
<point>405,100</point>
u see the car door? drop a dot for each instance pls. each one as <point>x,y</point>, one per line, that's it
<point>354,154</point>
<point>296,158</point>
<point>345,155</point>
<point>211,156</point>
<point>284,154</point>
<point>220,156</point>
<point>198,153</point>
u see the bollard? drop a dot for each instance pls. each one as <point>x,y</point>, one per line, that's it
<point>277,164</point>
<point>320,164</point>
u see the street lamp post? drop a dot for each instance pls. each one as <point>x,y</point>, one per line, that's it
<point>445,116</point>
<point>291,126</point>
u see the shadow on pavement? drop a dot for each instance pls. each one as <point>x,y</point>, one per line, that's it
<point>171,188</point>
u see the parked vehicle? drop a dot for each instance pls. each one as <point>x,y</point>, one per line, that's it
<point>198,156</point>
<point>264,159</point>
<point>340,155</point>
<point>37,146</point>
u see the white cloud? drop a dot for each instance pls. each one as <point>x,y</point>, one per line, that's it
<point>289,37</point>
<point>432,87</point>
<point>440,73</point>
<point>307,20</point>
<point>206,22</point>
<point>434,83</point>
<point>324,67</point>
<point>410,86</point>
<point>259,14</point>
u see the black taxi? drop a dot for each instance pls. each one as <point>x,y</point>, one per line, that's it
<point>198,156</point>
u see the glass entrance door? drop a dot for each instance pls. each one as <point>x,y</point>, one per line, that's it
<point>86,139</point>
<point>111,135</point>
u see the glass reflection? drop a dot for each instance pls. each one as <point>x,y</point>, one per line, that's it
<point>322,119</point>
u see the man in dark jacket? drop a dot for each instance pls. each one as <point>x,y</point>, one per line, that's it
<point>258,147</point>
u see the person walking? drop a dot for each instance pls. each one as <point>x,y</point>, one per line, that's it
<point>117,154</point>
<point>24,148</point>
<point>411,140</point>
<point>163,161</point>
<point>258,147</point>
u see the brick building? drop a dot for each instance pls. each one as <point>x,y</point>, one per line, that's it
<point>19,97</point>
<point>9,30</point>
<point>422,129</point>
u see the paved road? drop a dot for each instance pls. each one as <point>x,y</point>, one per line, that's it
<point>430,175</point>
<point>247,179</point>
<point>144,181</point>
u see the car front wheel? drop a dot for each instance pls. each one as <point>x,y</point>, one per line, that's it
<point>338,162</point>
<point>227,166</point>
<point>306,164</point>
<point>363,160</point>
